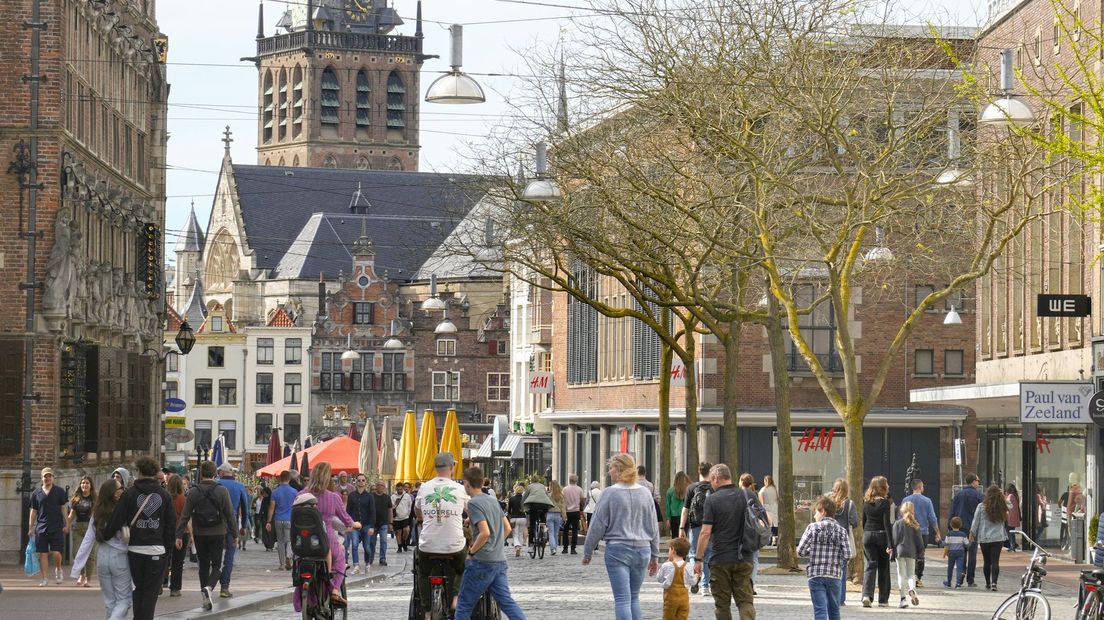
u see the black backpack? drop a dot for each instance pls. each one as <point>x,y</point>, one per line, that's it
<point>205,513</point>
<point>309,538</point>
<point>757,531</point>
<point>696,510</point>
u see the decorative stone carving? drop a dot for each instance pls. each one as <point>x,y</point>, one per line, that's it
<point>61,269</point>
<point>119,298</point>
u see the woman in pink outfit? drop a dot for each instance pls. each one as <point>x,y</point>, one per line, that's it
<point>1012,497</point>
<point>331,507</point>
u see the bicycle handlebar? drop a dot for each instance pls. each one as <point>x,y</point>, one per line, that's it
<point>1037,546</point>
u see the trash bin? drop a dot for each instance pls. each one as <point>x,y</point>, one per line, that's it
<point>1077,539</point>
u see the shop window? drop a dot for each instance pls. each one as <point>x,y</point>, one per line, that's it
<point>264,428</point>
<point>923,362</point>
<point>953,362</point>
<point>264,351</point>
<point>264,388</point>
<point>203,391</point>
<point>228,391</point>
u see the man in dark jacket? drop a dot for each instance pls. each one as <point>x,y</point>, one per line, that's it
<point>362,508</point>
<point>146,508</point>
<point>208,500</point>
<point>964,506</point>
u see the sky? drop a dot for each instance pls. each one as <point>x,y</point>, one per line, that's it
<point>211,88</point>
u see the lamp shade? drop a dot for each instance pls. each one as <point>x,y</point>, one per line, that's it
<point>455,88</point>
<point>541,190</point>
<point>185,338</point>
<point>1006,111</point>
<point>394,343</point>
<point>445,327</point>
<point>954,176</point>
<point>350,356</point>
<point>433,304</point>
<point>879,254</point>
<point>952,318</point>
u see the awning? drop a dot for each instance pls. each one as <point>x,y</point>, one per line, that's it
<point>878,417</point>
<point>513,443</point>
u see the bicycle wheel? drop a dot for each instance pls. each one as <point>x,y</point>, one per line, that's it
<point>1026,606</point>
<point>1091,609</point>
<point>542,542</point>
<point>439,610</point>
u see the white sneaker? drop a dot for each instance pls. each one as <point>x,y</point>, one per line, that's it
<point>44,583</point>
<point>57,574</point>
<point>206,593</point>
<point>705,591</point>
<point>355,571</point>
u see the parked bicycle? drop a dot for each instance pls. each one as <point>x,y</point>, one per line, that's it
<point>1090,595</point>
<point>1028,603</point>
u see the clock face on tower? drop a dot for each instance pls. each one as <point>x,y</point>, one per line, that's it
<point>357,11</point>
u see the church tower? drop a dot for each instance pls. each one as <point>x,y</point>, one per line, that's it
<point>338,90</point>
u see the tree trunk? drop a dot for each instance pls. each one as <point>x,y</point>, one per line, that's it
<point>853,428</point>
<point>787,551</point>
<point>691,398</point>
<point>730,454</point>
<point>663,476</point>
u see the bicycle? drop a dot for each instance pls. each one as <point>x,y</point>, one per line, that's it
<point>539,542</point>
<point>440,581</point>
<point>1090,595</point>
<point>313,582</point>
<point>1028,603</point>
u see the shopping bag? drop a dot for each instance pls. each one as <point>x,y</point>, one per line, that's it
<point>30,561</point>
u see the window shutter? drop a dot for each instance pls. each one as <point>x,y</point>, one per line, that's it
<point>492,347</point>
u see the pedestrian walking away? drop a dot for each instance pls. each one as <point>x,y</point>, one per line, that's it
<point>908,547</point>
<point>677,577</point>
<point>625,520</point>
<point>518,521</point>
<point>208,509</point>
<point>486,568</point>
<point>847,516</point>
<point>964,506</point>
<point>177,491</point>
<point>279,518</point>
<point>724,524</point>
<point>146,509</point>
<point>954,550</point>
<point>987,530</point>
<point>537,503</point>
<point>929,524</point>
<point>440,510</point>
<point>768,497</point>
<point>49,524</point>
<point>574,500</point>
<point>642,479</point>
<point>693,509</point>
<point>380,524</point>
<point>828,546</point>
<point>877,541</point>
<point>674,500</point>
<point>112,567</point>
<point>593,495</point>
<point>80,514</point>
<point>239,500</point>
<point>555,518</point>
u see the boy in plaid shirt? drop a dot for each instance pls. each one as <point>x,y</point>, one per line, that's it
<point>825,544</point>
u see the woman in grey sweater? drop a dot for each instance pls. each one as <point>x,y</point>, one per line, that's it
<point>625,519</point>
<point>988,531</point>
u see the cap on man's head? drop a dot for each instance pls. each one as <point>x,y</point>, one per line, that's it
<point>226,468</point>
<point>444,459</point>
<point>47,471</point>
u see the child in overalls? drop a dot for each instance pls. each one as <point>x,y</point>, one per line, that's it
<point>676,577</point>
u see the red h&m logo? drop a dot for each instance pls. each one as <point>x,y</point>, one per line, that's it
<point>1042,443</point>
<point>537,383</point>
<point>816,439</point>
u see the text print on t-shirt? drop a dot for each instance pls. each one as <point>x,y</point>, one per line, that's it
<point>152,508</point>
<point>440,495</point>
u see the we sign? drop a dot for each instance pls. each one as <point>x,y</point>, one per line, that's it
<point>1063,305</point>
<point>540,382</point>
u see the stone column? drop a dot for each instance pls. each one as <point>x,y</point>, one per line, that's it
<point>555,450</point>
<point>572,458</point>
<point>678,456</point>
<point>638,445</point>
<point>603,454</point>
<point>709,443</point>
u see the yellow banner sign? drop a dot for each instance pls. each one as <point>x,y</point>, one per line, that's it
<point>175,421</point>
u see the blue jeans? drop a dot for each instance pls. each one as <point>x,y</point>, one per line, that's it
<point>116,586</point>
<point>955,560</point>
<point>625,566</point>
<point>228,561</point>
<point>554,520</point>
<point>354,539</point>
<point>843,585</point>
<point>695,533</point>
<point>480,577</point>
<point>381,534</point>
<point>754,566</point>
<point>825,591</point>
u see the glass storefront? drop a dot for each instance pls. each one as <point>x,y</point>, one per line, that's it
<point>1061,463</point>
<point>819,458</point>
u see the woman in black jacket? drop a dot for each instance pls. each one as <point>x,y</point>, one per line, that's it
<point>877,522</point>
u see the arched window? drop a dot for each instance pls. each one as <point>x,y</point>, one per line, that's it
<point>266,117</point>
<point>268,162</point>
<point>296,101</point>
<point>329,162</point>
<point>281,162</point>
<point>363,106</point>
<point>282,106</point>
<point>295,161</point>
<point>395,164</point>
<point>396,106</point>
<point>329,106</point>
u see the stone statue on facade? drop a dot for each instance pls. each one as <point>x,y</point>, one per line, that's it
<point>118,284</point>
<point>61,268</point>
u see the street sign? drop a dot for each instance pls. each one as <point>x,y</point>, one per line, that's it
<point>174,405</point>
<point>1064,306</point>
<point>175,421</point>
<point>958,451</point>
<point>1050,402</point>
<point>1096,408</point>
<point>179,435</point>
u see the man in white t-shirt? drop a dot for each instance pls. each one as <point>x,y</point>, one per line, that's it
<point>440,510</point>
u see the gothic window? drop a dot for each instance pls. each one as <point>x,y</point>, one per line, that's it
<point>363,106</point>
<point>329,162</point>
<point>395,164</point>
<point>331,99</point>
<point>281,162</point>
<point>222,264</point>
<point>396,105</point>
<point>296,102</point>
<point>266,132</point>
<point>282,106</point>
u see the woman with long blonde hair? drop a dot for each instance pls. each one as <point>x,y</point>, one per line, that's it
<point>877,523</point>
<point>768,497</point>
<point>675,499</point>
<point>848,518</point>
<point>909,547</point>
<point>330,505</point>
<point>625,519</point>
<point>556,515</point>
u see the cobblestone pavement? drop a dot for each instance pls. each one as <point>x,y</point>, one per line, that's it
<point>560,587</point>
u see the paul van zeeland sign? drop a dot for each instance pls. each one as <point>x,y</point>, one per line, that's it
<point>1055,402</point>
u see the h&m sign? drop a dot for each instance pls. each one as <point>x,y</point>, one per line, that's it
<point>1064,306</point>
<point>1055,402</point>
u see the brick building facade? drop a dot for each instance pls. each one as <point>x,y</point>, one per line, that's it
<point>100,216</point>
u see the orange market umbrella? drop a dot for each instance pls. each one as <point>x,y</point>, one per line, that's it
<point>427,448</point>
<point>386,451</point>
<point>450,442</point>
<point>340,452</point>
<point>405,470</point>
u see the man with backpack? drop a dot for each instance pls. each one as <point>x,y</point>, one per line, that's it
<point>692,512</point>
<point>239,499</point>
<point>731,524</point>
<point>207,506</point>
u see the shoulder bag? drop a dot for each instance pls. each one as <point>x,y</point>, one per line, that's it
<point>126,528</point>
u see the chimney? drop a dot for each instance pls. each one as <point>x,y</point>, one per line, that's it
<point>321,294</point>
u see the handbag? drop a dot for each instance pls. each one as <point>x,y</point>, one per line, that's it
<point>126,528</point>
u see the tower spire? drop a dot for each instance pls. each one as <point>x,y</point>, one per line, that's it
<point>561,102</point>
<point>260,19</point>
<point>418,27</point>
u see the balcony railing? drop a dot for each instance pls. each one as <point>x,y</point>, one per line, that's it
<point>321,39</point>
<point>829,361</point>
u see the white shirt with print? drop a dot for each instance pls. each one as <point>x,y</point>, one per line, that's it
<point>442,502</point>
